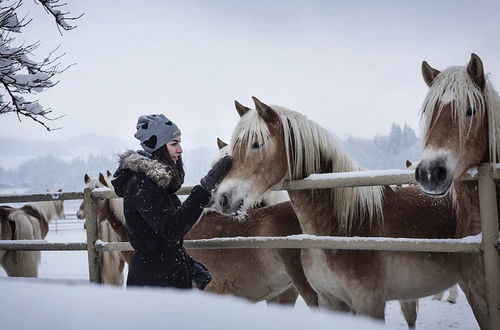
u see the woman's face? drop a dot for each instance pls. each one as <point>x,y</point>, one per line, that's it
<point>174,148</point>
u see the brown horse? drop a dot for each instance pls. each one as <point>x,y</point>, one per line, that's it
<point>273,144</point>
<point>461,117</point>
<point>274,275</point>
<point>112,262</point>
<point>30,222</point>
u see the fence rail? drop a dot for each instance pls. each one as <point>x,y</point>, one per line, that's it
<point>488,243</point>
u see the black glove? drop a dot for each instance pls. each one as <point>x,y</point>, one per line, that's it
<point>217,173</point>
<point>201,275</point>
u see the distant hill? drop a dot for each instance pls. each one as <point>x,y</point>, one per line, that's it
<point>15,151</point>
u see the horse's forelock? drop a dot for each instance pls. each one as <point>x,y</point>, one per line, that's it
<point>250,129</point>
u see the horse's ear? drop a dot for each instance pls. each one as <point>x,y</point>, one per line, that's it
<point>241,108</point>
<point>86,178</point>
<point>476,71</point>
<point>429,73</point>
<point>221,144</point>
<point>102,180</point>
<point>108,174</point>
<point>265,111</point>
<point>408,164</point>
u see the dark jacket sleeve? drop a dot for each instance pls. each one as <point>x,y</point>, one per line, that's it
<point>171,224</point>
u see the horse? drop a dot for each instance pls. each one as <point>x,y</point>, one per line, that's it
<point>453,291</point>
<point>30,222</point>
<point>112,263</point>
<point>461,128</point>
<point>272,144</point>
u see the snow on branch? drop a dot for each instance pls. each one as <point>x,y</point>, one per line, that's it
<point>53,7</point>
<point>20,75</point>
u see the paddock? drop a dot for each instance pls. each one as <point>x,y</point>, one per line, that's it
<point>486,244</point>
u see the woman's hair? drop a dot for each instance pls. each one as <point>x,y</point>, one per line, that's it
<point>163,156</point>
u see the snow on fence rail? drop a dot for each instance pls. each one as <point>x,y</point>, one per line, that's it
<point>487,243</point>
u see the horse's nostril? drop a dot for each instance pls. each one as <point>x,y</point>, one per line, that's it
<point>224,201</point>
<point>417,174</point>
<point>421,175</point>
<point>439,173</point>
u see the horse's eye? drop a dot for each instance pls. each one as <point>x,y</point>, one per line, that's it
<point>256,145</point>
<point>470,112</point>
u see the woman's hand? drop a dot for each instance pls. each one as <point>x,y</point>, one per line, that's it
<point>217,173</point>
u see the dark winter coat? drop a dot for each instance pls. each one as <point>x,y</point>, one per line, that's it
<point>156,221</point>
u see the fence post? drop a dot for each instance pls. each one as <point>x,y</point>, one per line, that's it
<point>489,228</point>
<point>91,228</point>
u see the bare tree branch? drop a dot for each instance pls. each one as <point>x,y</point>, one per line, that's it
<point>52,7</point>
<point>20,75</point>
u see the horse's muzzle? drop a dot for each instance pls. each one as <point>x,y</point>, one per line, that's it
<point>434,177</point>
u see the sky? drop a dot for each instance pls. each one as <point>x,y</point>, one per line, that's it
<point>352,66</point>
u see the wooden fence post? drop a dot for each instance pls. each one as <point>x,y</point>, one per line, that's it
<point>489,228</point>
<point>91,228</point>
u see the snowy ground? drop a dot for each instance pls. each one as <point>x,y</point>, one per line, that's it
<point>58,306</point>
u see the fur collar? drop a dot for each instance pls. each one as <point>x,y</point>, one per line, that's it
<point>139,162</point>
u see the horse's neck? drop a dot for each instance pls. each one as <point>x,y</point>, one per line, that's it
<point>340,211</point>
<point>117,219</point>
<point>467,197</point>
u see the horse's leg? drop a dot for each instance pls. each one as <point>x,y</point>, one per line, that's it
<point>293,265</point>
<point>473,284</point>
<point>287,297</point>
<point>453,294</point>
<point>410,310</point>
<point>370,306</point>
<point>477,300</point>
<point>335,304</point>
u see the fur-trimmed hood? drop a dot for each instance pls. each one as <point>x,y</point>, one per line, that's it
<point>140,162</point>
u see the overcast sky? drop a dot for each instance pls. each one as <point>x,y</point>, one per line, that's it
<point>352,66</point>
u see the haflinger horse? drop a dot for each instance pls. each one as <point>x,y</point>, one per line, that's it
<point>30,222</point>
<point>112,262</point>
<point>461,129</point>
<point>272,144</point>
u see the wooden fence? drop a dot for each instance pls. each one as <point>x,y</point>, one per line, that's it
<point>487,243</point>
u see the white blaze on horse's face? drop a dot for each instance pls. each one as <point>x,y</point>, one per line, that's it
<point>456,134</point>
<point>259,160</point>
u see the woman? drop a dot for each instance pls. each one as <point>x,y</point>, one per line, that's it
<point>156,219</point>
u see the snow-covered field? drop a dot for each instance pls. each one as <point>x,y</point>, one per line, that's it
<point>51,305</point>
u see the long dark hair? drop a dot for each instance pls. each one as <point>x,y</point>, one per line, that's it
<point>162,155</point>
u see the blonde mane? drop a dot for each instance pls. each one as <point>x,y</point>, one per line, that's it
<point>308,146</point>
<point>455,86</point>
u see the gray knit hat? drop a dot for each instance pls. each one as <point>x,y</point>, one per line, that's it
<point>154,131</point>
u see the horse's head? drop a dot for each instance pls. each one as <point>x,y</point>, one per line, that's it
<point>103,208</point>
<point>259,158</point>
<point>455,118</point>
<point>56,206</point>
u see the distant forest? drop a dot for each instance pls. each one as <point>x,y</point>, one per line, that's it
<point>49,172</point>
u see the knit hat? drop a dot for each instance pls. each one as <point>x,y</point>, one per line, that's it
<point>154,131</point>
